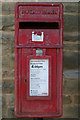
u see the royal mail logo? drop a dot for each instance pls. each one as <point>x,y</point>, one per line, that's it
<point>43,12</point>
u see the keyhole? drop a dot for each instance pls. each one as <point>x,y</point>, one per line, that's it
<point>25,80</point>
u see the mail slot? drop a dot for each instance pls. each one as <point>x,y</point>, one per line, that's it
<point>38,59</point>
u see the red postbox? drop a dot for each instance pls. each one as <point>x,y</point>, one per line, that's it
<point>38,59</point>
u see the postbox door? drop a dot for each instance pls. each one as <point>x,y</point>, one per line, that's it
<point>38,104</point>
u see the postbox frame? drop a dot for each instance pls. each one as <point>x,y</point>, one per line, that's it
<point>59,62</point>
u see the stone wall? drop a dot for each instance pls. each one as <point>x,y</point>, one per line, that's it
<point>70,59</point>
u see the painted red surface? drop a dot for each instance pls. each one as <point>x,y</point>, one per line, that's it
<point>46,18</point>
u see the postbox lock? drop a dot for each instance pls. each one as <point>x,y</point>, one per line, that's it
<point>25,80</point>
<point>39,52</point>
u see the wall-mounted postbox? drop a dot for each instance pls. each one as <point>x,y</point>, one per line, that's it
<point>38,59</point>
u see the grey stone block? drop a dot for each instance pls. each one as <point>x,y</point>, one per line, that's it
<point>70,22</point>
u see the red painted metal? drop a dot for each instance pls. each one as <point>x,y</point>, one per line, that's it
<point>46,18</point>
